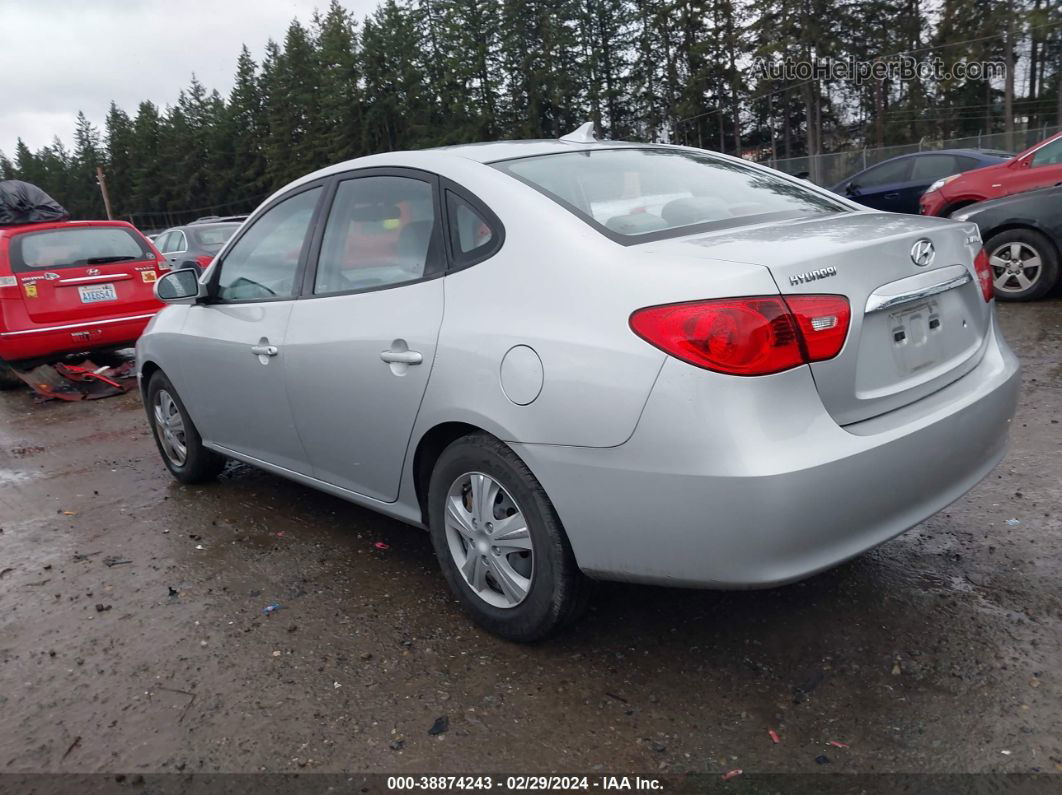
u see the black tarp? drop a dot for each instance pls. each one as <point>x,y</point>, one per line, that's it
<point>23,203</point>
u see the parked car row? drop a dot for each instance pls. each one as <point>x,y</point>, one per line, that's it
<point>943,181</point>
<point>1010,197</point>
<point>577,359</point>
<point>898,184</point>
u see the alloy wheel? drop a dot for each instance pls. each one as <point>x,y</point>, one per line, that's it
<point>169,428</point>
<point>1016,267</point>
<point>489,540</point>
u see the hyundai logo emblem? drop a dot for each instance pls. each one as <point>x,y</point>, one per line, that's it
<point>922,253</point>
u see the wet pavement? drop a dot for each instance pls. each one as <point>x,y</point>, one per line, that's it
<point>133,637</point>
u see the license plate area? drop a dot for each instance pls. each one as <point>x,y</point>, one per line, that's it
<point>917,337</point>
<point>96,293</point>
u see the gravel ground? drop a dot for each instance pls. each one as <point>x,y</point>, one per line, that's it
<point>133,637</point>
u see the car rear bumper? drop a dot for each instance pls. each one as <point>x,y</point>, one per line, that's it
<point>738,483</point>
<point>62,338</point>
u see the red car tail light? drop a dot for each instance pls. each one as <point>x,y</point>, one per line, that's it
<point>204,261</point>
<point>747,336</point>
<point>984,275</point>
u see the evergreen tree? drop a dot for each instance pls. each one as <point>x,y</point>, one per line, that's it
<point>398,107</point>
<point>83,193</point>
<point>119,136</point>
<point>339,117</point>
<point>146,167</point>
<point>418,73</point>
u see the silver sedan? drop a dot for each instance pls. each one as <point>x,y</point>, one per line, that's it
<point>574,360</point>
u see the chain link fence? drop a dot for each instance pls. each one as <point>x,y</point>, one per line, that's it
<point>830,169</point>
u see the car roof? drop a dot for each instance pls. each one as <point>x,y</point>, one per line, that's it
<point>15,229</point>
<point>493,151</point>
<point>199,225</point>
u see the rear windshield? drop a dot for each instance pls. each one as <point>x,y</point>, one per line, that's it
<point>636,195</point>
<point>213,237</point>
<point>54,249</point>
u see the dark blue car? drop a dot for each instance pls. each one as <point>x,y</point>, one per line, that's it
<point>896,184</point>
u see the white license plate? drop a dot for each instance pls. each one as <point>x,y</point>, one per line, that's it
<point>94,293</point>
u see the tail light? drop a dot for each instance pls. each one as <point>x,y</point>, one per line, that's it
<point>984,275</point>
<point>204,261</point>
<point>748,336</point>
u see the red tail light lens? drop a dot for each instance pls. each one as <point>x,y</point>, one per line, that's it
<point>747,336</point>
<point>204,261</point>
<point>984,275</point>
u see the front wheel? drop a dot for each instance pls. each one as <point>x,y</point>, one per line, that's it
<point>179,443</point>
<point>500,543</point>
<point>1024,264</point>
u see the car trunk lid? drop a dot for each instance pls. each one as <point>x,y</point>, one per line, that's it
<point>915,327</point>
<point>80,271</point>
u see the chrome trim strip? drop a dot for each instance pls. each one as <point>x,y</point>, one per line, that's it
<point>114,277</point>
<point>878,302</point>
<point>45,329</point>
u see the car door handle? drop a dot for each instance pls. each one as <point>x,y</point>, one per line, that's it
<point>402,357</point>
<point>265,350</point>
<point>892,195</point>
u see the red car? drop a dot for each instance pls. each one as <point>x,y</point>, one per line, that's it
<point>1039,166</point>
<point>74,286</point>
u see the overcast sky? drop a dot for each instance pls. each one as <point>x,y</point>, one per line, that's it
<point>61,56</point>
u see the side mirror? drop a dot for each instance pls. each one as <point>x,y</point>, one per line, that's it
<point>851,189</point>
<point>179,287</point>
<point>802,174</point>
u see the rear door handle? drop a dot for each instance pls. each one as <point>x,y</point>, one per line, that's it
<point>892,195</point>
<point>402,357</point>
<point>265,350</point>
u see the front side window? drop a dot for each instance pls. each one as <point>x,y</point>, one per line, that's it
<point>263,264</point>
<point>53,249</point>
<point>1049,154</point>
<point>378,234</point>
<point>646,194</point>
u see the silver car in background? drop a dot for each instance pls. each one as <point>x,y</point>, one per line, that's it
<point>576,359</point>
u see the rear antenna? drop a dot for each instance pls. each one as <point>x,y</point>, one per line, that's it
<point>584,135</point>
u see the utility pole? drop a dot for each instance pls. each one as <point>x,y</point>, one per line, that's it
<point>1008,85</point>
<point>102,182</point>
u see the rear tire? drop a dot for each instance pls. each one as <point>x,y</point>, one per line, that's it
<point>1016,250</point>
<point>521,585</point>
<point>176,437</point>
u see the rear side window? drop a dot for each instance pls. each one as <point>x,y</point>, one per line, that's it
<point>473,237</point>
<point>54,249</point>
<point>930,168</point>
<point>635,195</point>
<point>378,234</point>
<point>895,171</point>
<point>213,237</point>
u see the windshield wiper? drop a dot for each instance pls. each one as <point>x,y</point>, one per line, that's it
<point>105,260</point>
